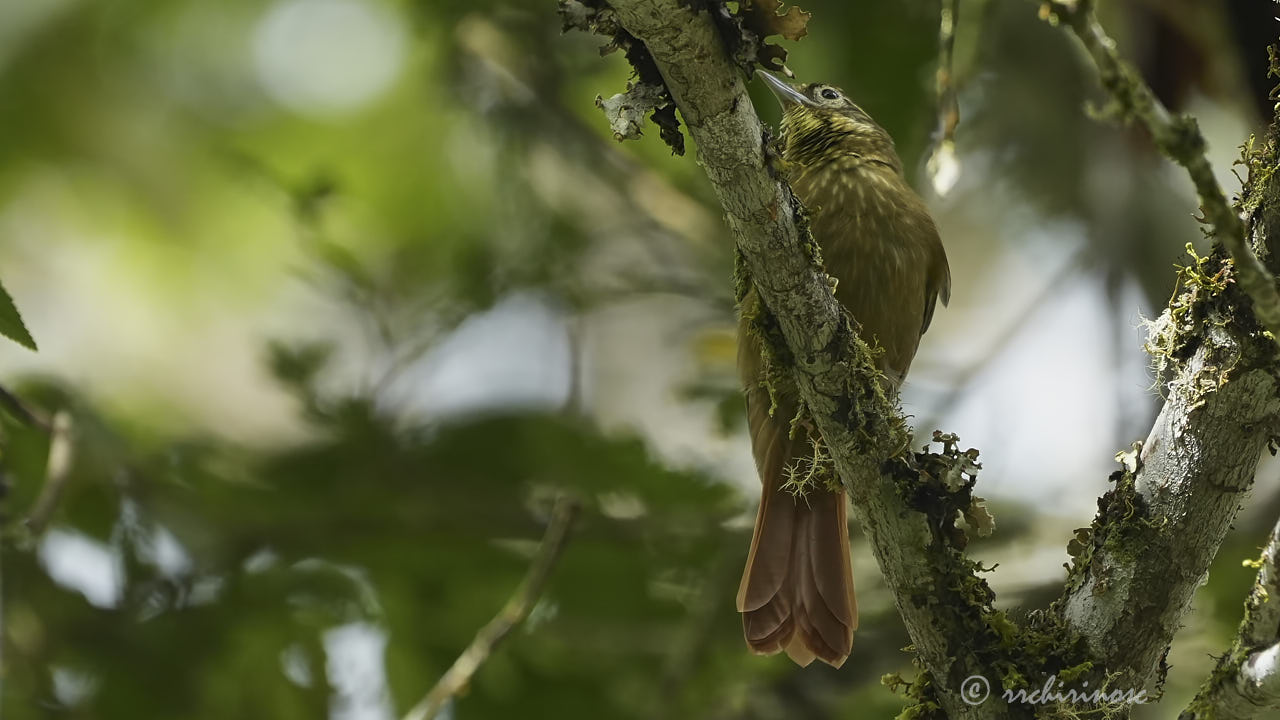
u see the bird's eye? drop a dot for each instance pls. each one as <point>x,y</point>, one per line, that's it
<point>829,94</point>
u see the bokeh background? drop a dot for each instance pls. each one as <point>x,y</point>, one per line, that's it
<point>340,295</point>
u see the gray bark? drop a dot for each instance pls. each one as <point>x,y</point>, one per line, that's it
<point>1195,470</point>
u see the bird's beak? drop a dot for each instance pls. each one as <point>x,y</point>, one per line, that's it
<point>785,92</point>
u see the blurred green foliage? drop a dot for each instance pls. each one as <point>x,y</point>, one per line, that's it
<point>147,133</point>
<point>412,529</point>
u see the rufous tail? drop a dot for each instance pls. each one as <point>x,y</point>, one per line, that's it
<point>797,589</point>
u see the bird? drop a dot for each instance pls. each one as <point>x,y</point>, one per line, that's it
<point>882,247</point>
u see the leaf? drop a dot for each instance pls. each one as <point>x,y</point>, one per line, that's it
<point>764,18</point>
<point>1081,542</point>
<point>11,325</point>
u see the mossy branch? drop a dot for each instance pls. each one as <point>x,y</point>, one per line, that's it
<point>1179,138</point>
<point>1246,681</point>
<point>944,604</point>
<point>1158,530</point>
<point>1138,567</point>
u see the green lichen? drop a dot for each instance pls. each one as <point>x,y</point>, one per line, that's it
<point>776,359</point>
<point>1121,523</point>
<point>1016,655</point>
<point>1255,159</point>
<point>810,246</point>
<point>1259,200</point>
<point>1259,158</point>
<point>817,470</point>
<point>920,693</point>
<point>1202,299</point>
<point>868,400</point>
<point>741,277</point>
<point>1012,654</point>
<point>1203,706</point>
<point>940,485</point>
<point>1207,297</point>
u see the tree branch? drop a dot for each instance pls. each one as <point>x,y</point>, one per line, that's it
<point>513,613</point>
<point>1178,137</point>
<point>1158,530</point>
<point>1247,679</point>
<point>1156,533</point>
<point>57,472</point>
<point>22,411</point>
<point>835,374</point>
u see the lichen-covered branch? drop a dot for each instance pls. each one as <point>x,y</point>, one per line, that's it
<point>1178,137</point>
<point>944,606</point>
<point>1246,681</point>
<point>1157,531</point>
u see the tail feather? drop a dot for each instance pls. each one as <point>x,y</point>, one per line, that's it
<point>800,651</point>
<point>797,590</point>
<point>825,591</point>
<point>833,571</point>
<point>771,543</point>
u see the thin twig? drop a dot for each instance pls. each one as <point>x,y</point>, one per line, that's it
<point>943,166</point>
<point>512,614</point>
<point>57,471</point>
<point>1179,138</point>
<point>21,411</point>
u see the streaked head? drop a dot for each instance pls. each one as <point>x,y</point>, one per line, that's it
<point>819,120</point>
